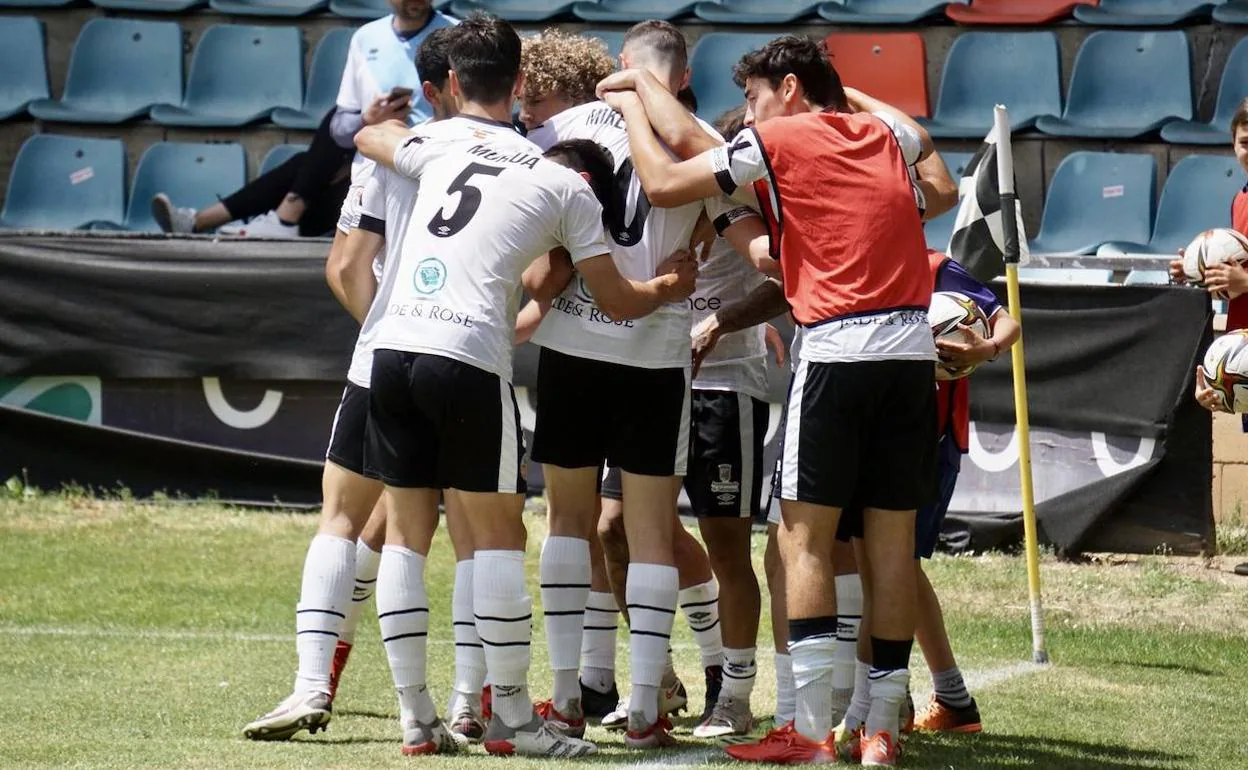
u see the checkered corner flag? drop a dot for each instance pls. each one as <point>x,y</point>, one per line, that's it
<point>980,236</point>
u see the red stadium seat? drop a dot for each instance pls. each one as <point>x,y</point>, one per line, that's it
<point>1014,11</point>
<point>891,66</point>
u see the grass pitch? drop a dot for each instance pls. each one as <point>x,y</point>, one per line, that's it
<point>147,635</point>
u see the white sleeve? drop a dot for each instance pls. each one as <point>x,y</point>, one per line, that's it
<point>543,136</point>
<point>373,202</point>
<point>740,162</point>
<point>907,138</point>
<point>581,231</point>
<point>411,156</point>
<point>349,97</point>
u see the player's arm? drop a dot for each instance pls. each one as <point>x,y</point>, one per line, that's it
<point>940,191</point>
<point>742,227</point>
<point>975,350</point>
<point>672,123</point>
<point>548,276</point>
<point>667,183</point>
<point>383,142</point>
<point>352,271</point>
<point>529,318</point>
<point>860,102</point>
<point>764,303</point>
<point>624,299</point>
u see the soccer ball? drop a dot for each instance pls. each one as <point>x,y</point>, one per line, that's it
<point>1212,247</point>
<point>949,311</point>
<point>1226,369</point>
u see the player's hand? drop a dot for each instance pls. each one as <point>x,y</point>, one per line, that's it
<point>682,265</point>
<point>853,100</point>
<point>1177,274</point>
<point>382,109</point>
<point>1206,396</point>
<point>704,337</point>
<point>775,342</point>
<point>973,350</point>
<point>624,80</point>
<point>620,100</point>
<point>1227,280</point>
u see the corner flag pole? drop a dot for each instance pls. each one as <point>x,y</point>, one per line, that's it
<point>1009,224</point>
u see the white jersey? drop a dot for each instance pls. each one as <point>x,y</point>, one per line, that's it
<point>640,238</point>
<point>385,208</point>
<point>489,205</point>
<point>739,361</point>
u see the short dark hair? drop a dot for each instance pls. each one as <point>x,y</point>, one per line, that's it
<point>800,56</point>
<point>1240,117</point>
<point>485,55</point>
<point>731,122</point>
<point>433,63</point>
<point>687,98</point>
<point>591,158</point>
<point>663,38</point>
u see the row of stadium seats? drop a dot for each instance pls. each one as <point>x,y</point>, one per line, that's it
<point>1104,12</point>
<point>1104,203</point>
<point>1096,203</point>
<point>71,183</point>
<point>1124,84</point>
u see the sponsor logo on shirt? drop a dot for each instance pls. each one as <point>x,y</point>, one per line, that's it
<point>430,276</point>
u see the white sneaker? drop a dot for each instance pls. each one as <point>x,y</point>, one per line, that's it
<point>171,218</point>
<point>309,711</point>
<point>431,738</point>
<point>672,700</point>
<point>536,739</point>
<point>731,716</point>
<point>267,225</point>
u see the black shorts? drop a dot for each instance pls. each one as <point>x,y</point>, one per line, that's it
<point>861,435</point>
<point>725,478</point>
<point>346,437</point>
<point>438,423</point>
<point>590,412</point>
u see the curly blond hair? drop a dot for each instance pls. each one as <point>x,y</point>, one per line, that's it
<point>556,62</point>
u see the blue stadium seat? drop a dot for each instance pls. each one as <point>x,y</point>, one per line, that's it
<point>1147,278</point>
<point>267,7</point>
<point>939,230</point>
<point>1143,13</point>
<point>1234,12</point>
<point>1197,197</point>
<point>1019,69</point>
<point>359,9</point>
<point>1076,275</point>
<point>149,6</point>
<point>613,38</point>
<point>23,61</point>
<point>1234,88</point>
<point>191,174</point>
<point>66,183</point>
<point>279,155</point>
<point>756,11</point>
<point>34,3</point>
<point>324,78</point>
<point>712,61</point>
<point>514,10</point>
<point>239,74</point>
<point>630,11</point>
<point>1095,198</point>
<point>118,70</point>
<point>1126,84</point>
<point>883,11</point>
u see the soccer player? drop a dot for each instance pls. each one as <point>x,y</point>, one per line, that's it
<point>861,410</point>
<point>442,411</point>
<point>342,562</point>
<point>640,367</point>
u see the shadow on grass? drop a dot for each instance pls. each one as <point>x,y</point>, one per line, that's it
<point>996,750</point>
<point>1179,667</point>
<point>365,714</point>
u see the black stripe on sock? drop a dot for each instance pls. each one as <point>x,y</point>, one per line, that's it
<point>463,623</point>
<point>403,612</point>
<point>324,612</point>
<point>649,633</point>
<point>317,631</point>
<point>504,620</point>
<point>801,629</point>
<point>467,644</point>
<point>652,608</point>
<point>487,642</point>
<point>368,582</point>
<point>562,613</point>
<point>699,604</point>
<point>742,678</point>
<point>708,628</point>
<point>566,585</point>
<point>396,637</point>
<point>602,628</point>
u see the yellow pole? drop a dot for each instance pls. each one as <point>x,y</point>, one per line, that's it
<point>1009,203</point>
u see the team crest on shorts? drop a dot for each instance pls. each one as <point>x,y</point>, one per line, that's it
<point>430,275</point>
<point>725,489</point>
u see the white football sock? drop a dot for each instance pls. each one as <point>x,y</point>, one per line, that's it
<point>469,655</point>
<point>848,618</point>
<point>504,615</point>
<point>651,593</point>
<point>598,641</point>
<point>740,669</point>
<point>403,613</point>
<point>860,704</point>
<point>324,600</point>
<point>812,680</point>
<point>786,703</point>
<point>888,691</point>
<point>565,577</point>
<point>700,604</point>
<point>367,561</point>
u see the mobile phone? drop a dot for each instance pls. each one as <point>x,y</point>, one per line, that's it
<point>398,92</point>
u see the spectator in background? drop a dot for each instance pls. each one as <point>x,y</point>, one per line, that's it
<point>304,195</point>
